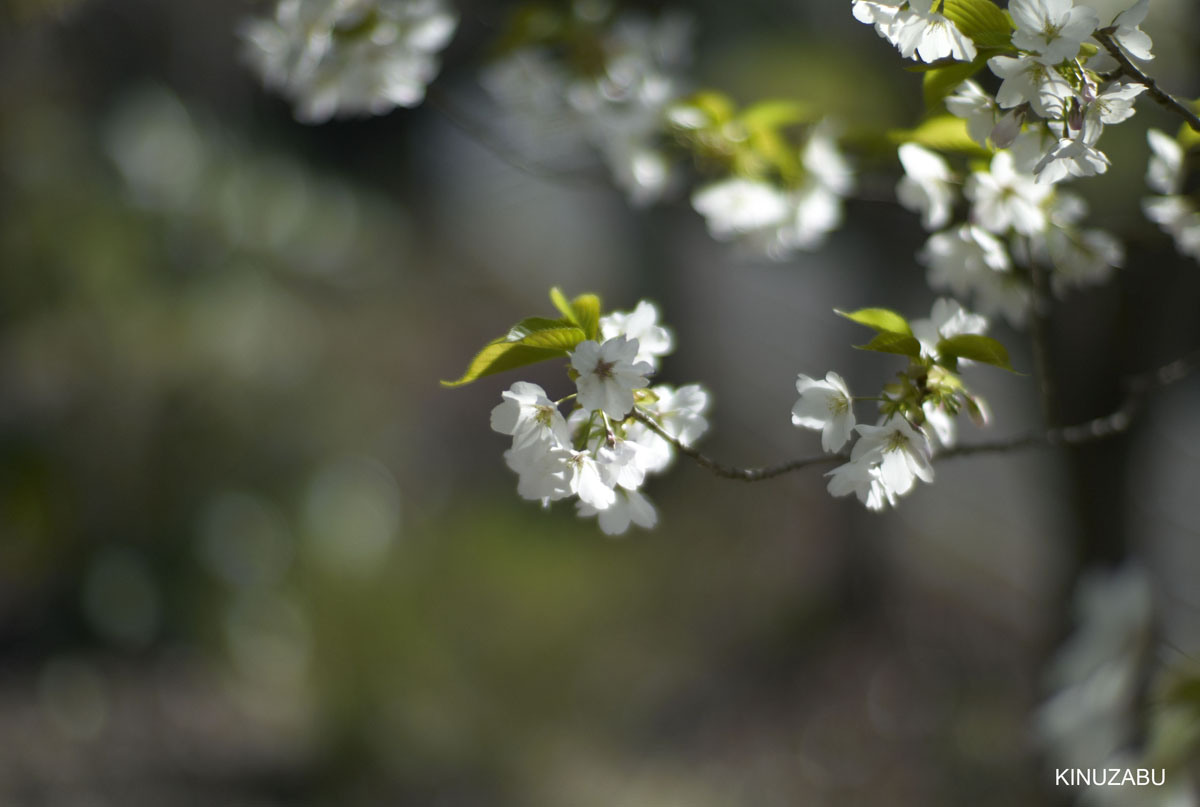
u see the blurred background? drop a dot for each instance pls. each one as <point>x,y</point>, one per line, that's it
<point>251,553</point>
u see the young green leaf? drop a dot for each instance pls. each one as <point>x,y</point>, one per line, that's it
<point>881,319</point>
<point>564,307</point>
<point>939,82</point>
<point>975,347</point>
<point>981,20</point>
<point>887,342</point>
<point>773,114</point>
<point>503,355</point>
<point>532,324</point>
<point>586,308</point>
<point>940,133</point>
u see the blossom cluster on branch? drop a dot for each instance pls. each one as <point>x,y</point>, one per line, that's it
<point>984,172</point>
<point>619,430</point>
<point>917,412</point>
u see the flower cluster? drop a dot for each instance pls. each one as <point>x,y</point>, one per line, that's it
<point>599,79</point>
<point>603,451</point>
<point>917,411</point>
<point>1176,213</point>
<point>349,57</point>
<point>1012,221</point>
<point>1045,84</point>
<point>916,29</point>
<point>774,214</point>
<point>616,82</point>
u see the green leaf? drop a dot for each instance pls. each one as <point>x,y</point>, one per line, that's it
<point>939,82</point>
<point>773,114</point>
<point>940,133</point>
<point>881,319</point>
<point>1188,137</point>
<point>717,107</point>
<point>975,347</point>
<point>533,324</point>
<point>564,307</point>
<point>503,355</point>
<point>560,339</point>
<point>887,342</point>
<point>981,20</point>
<point>586,310</point>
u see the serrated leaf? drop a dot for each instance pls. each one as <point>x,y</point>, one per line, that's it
<point>503,355</point>
<point>976,347</point>
<point>881,319</point>
<point>586,310</point>
<point>899,343</point>
<point>561,339</point>
<point>981,20</point>
<point>939,82</point>
<point>532,324</point>
<point>940,133</point>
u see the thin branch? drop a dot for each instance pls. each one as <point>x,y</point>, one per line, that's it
<point>1104,37</point>
<point>453,113</point>
<point>1116,422</point>
<point>732,472</point>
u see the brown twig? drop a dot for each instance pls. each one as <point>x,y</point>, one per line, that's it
<point>441,101</point>
<point>1104,37</point>
<point>1116,422</point>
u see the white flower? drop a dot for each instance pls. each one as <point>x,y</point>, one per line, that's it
<point>641,324</point>
<point>737,206</point>
<point>1071,158</point>
<point>1026,80</point>
<point>623,107</point>
<point>969,101</point>
<point>955,258</point>
<point>946,319</point>
<point>902,453</point>
<point>1005,294</point>
<point>971,261</point>
<point>350,57</point>
<point>608,375</point>
<point>864,481</point>
<point>926,186</point>
<point>814,212</point>
<point>1178,217</point>
<point>876,12</point>
<point>1164,172</point>
<point>529,416</point>
<point>884,464</point>
<point>824,162</point>
<point>1051,29</point>
<point>939,425</point>
<point>1082,258</point>
<point>1133,39</point>
<point>1005,198</point>
<point>1113,105</point>
<point>826,406</point>
<point>618,105</point>
<point>621,464</point>
<point>629,507</point>
<point>542,470</point>
<point>587,481</point>
<point>679,413</point>
<point>919,31</point>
